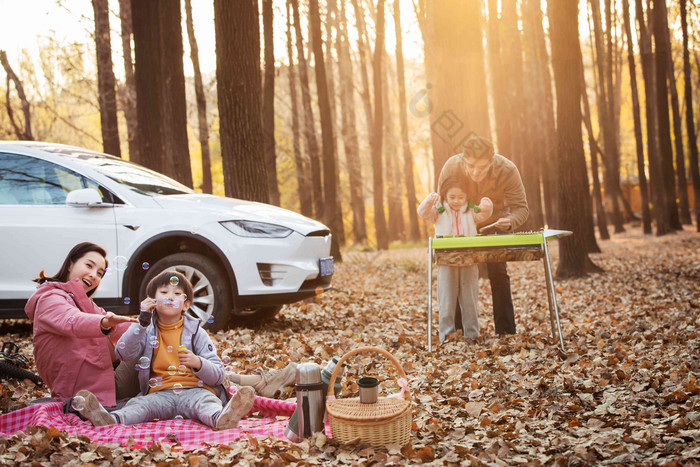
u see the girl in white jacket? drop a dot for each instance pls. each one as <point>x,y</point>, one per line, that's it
<point>454,215</point>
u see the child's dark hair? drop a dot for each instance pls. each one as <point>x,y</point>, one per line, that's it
<point>170,277</point>
<point>77,252</point>
<point>457,179</point>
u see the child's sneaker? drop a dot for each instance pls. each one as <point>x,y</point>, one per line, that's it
<point>93,410</point>
<point>273,382</point>
<point>238,406</point>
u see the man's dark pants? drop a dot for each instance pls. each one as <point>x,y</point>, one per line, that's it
<point>503,315</point>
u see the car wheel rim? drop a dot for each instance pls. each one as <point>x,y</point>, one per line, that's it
<point>203,301</point>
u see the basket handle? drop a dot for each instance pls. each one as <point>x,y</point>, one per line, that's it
<point>391,358</point>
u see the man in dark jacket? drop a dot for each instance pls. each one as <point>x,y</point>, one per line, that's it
<point>492,175</point>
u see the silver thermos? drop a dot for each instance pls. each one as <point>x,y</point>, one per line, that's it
<point>294,431</point>
<point>310,401</point>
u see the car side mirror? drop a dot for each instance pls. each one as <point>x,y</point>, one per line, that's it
<point>88,197</point>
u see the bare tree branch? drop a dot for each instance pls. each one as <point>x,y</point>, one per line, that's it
<point>25,134</point>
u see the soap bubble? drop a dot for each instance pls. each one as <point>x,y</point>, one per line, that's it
<point>200,383</point>
<point>78,403</point>
<point>152,382</point>
<point>177,388</point>
<point>143,308</point>
<point>137,330</point>
<point>145,266</point>
<point>71,320</point>
<point>127,300</point>
<point>169,348</point>
<point>182,369</point>
<point>159,380</point>
<point>71,296</point>
<point>153,340</point>
<point>137,367</point>
<point>226,360</point>
<point>210,319</point>
<point>120,263</point>
<point>144,362</point>
<point>176,303</point>
<point>172,369</point>
<point>178,419</point>
<point>121,345</point>
<point>174,280</point>
<point>108,272</point>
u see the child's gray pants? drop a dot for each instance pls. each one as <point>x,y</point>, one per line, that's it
<point>458,284</point>
<point>193,403</point>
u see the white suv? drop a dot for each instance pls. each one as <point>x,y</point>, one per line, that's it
<point>244,259</point>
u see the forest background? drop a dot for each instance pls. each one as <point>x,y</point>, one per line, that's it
<point>351,124</point>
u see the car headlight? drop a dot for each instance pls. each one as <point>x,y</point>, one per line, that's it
<point>256,229</point>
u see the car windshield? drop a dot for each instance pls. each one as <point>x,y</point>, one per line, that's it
<point>131,175</point>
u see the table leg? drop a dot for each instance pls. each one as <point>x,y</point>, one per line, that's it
<point>430,293</point>
<point>552,295</point>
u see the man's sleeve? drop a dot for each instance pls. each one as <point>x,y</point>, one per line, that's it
<point>515,199</point>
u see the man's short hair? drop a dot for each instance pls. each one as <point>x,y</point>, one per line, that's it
<point>477,147</point>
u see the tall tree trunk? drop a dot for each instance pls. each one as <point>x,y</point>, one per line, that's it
<point>147,68</point>
<point>302,172</point>
<point>331,215</point>
<point>403,120</point>
<point>511,54</point>
<point>172,87</point>
<point>128,94</point>
<point>644,191</point>
<point>23,132</point>
<point>106,84</point>
<point>349,130</point>
<point>309,121</point>
<point>364,59</point>
<point>566,60</point>
<point>525,116</point>
<point>453,44</point>
<point>689,121</point>
<point>498,86</point>
<point>656,179</point>
<point>331,25</point>
<point>684,208</point>
<point>376,139</point>
<point>601,217</point>
<point>535,38</point>
<point>391,151</point>
<point>587,214</point>
<point>201,102</point>
<point>268,104</point>
<point>604,95</point>
<point>662,59</point>
<point>238,88</point>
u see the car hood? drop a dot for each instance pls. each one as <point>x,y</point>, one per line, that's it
<point>227,209</point>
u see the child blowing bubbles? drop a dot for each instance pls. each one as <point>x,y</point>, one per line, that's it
<point>180,372</point>
<point>456,283</point>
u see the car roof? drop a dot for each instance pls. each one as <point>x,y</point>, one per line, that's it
<point>72,152</point>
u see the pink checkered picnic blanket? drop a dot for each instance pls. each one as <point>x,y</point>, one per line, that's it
<point>271,418</point>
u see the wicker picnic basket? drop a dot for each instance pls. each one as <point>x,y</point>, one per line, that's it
<point>386,422</point>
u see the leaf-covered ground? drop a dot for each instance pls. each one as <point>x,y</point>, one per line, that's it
<point>626,390</point>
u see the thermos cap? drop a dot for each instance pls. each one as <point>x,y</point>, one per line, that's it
<point>308,373</point>
<point>330,366</point>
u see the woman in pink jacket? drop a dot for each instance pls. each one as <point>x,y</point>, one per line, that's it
<point>74,338</point>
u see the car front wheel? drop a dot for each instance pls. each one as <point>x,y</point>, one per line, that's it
<point>211,302</point>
